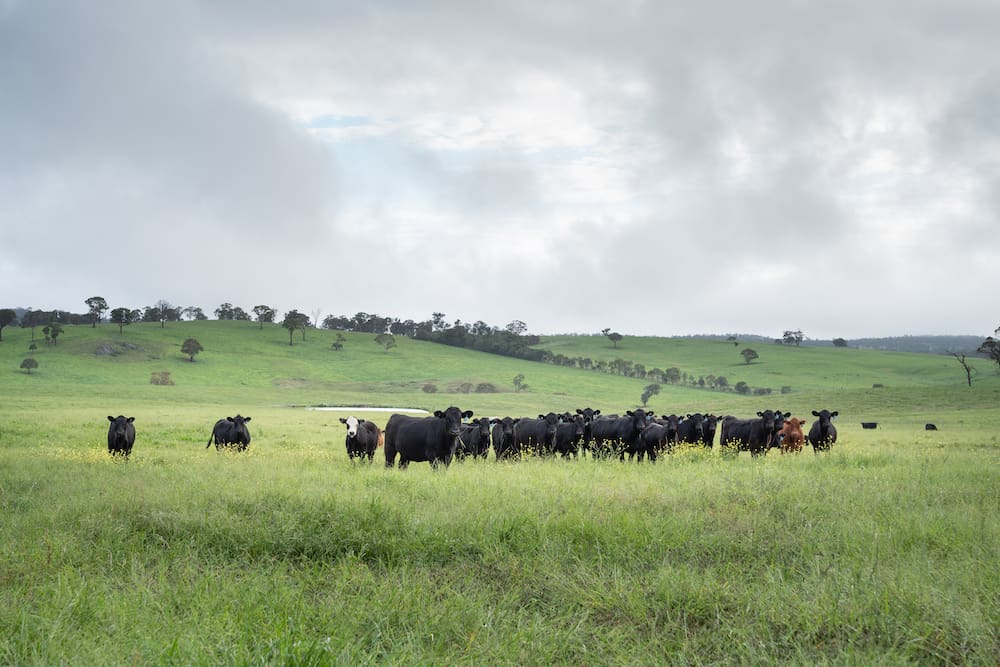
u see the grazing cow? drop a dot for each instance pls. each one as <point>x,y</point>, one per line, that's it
<point>657,437</point>
<point>930,427</point>
<point>589,415</point>
<point>536,435</point>
<point>619,433</point>
<point>476,437</point>
<point>230,431</point>
<point>432,439</point>
<point>711,425</point>
<point>570,434</point>
<point>791,436</point>
<point>822,434</point>
<point>869,425</point>
<point>503,438</point>
<point>749,435</point>
<point>121,435</point>
<point>363,437</point>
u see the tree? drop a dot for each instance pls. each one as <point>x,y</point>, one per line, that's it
<point>52,332</point>
<point>264,314</point>
<point>97,306</point>
<point>749,355</point>
<point>721,382</point>
<point>742,387</point>
<point>28,364</point>
<point>965,366</point>
<point>386,340</point>
<point>224,311</point>
<point>672,375</point>
<point>792,338</point>
<point>7,316</point>
<point>121,317</point>
<point>613,336</point>
<point>650,391</point>
<point>338,344</point>
<point>191,347</point>
<point>161,312</point>
<point>519,382</point>
<point>294,320</point>
<point>839,342</point>
<point>516,328</point>
<point>194,313</point>
<point>991,348</point>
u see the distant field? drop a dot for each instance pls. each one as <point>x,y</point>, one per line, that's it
<point>883,551</point>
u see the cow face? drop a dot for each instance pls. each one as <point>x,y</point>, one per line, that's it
<point>453,419</point>
<point>638,419</point>
<point>119,426</point>
<point>696,423</point>
<point>588,414</point>
<point>766,421</point>
<point>483,424</point>
<point>352,424</point>
<point>551,421</point>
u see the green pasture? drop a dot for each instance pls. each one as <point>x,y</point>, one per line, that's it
<point>883,551</point>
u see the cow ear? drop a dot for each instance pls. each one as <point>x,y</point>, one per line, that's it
<point>787,415</point>
<point>815,414</point>
<point>229,419</point>
<point>110,418</point>
<point>131,419</point>
<point>494,421</point>
<point>760,414</point>
<point>362,421</point>
<point>597,412</point>
<point>467,414</point>
<point>246,419</point>
<point>579,411</point>
<point>438,413</point>
<point>343,420</point>
<point>833,414</point>
<point>541,416</point>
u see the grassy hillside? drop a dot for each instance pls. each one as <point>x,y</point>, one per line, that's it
<point>882,551</point>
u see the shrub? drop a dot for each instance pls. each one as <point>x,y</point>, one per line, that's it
<point>162,377</point>
<point>486,388</point>
<point>430,388</point>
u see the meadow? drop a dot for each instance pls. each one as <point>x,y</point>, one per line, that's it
<point>883,551</point>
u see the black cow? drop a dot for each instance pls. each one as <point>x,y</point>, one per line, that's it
<point>659,436</point>
<point>749,435</point>
<point>570,434</point>
<point>536,435</point>
<point>476,437</point>
<point>869,425</point>
<point>616,435</point>
<point>589,415</point>
<point>711,425</point>
<point>822,434</point>
<point>362,437</point>
<point>121,435</point>
<point>230,431</point>
<point>930,427</point>
<point>503,437</point>
<point>779,423</point>
<point>432,439</point>
<point>692,429</point>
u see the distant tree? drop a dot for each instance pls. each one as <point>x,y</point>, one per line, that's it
<point>240,314</point>
<point>264,314</point>
<point>28,364</point>
<point>97,306</point>
<point>161,312</point>
<point>792,338</point>
<point>429,388</point>
<point>191,347</point>
<point>52,331</point>
<point>742,387</point>
<point>613,336</point>
<point>338,343</point>
<point>517,328</point>
<point>7,316</point>
<point>969,370</point>
<point>749,355</point>
<point>991,348</point>
<point>194,313</point>
<point>721,382</point>
<point>121,317</point>
<point>293,321</point>
<point>224,311</point>
<point>386,340</point>
<point>672,375</point>
<point>647,393</point>
<point>437,322</point>
<point>839,342</point>
<point>518,382</point>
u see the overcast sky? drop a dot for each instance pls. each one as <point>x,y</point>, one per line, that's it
<point>657,167</point>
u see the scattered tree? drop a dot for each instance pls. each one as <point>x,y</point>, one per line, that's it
<point>225,311</point>
<point>294,320</point>
<point>264,314</point>
<point>749,355</point>
<point>792,338</point>
<point>160,378</point>
<point>672,375</point>
<point>965,366</point>
<point>650,391</point>
<point>194,313</point>
<point>97,306</point>
<point>429,388</point>
<point>991,348</point>
<point>161,312</point>
<point>742,387</point>
<point>839,342</point>
<point>52,332</point>
<point>387,340</point>
<point>121,317</point>
<point>338,343</point>
<point>518,382</point>
<point>7,316</point>
<point>28,364</point>
<point>721,382</point>
<point>191,347</point>
<point>613,336</point>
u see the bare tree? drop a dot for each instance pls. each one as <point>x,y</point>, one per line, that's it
<point>965,366</point>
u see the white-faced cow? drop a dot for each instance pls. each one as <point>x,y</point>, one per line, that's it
<point>476,437</point>
<point>121,435</point>
<point>432,439</point>
<point>822,434</point>
<point>230,432</point>
<point>363,437</point>
<point>749,435</point>
<point>503,438</point>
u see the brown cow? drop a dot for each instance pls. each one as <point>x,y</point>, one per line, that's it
<point>791,435</point>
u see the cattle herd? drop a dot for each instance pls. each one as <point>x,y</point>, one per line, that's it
<point>454,433</point>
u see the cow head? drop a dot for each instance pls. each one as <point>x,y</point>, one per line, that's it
<point>119,425</point>
<point>453,419</point>
<point>638,420</point>
<point>551,421</point>
<point>766,421</point>
<point>588,414</point>
<point>696,423</point>
<point>824,417</point>
<point>483,424</point>
<point>352,424</point>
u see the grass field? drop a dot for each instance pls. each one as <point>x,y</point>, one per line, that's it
<point>884,551</point>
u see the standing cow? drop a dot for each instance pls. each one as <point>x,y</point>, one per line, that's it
<point>363,437</point>
<point>822,434</point>
<point>231,431</point>
<point>503,438</point>
<point>432,439</point>
<point>121,435</point>
<point>537,436</point>
<point>476,437</point>
<point>791,436</point>
<point>614,435</point>
<point>749,435</point>
<point>570,433</point>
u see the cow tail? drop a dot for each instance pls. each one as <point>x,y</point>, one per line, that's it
<point>210,440</point>
<point>381,439</point>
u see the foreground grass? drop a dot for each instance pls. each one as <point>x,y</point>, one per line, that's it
<point>880,552</point>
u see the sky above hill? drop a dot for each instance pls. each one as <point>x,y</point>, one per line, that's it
<point>660,168</point>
